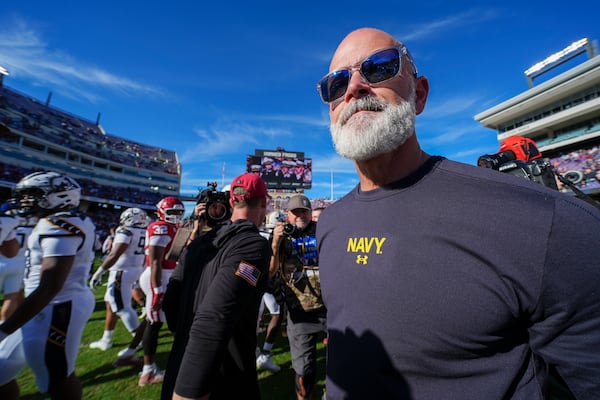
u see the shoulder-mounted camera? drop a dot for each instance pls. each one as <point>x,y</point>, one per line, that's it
<point>217,204</point>
<point>520,156</point>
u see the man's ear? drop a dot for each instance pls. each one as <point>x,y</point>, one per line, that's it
<point>421,92</point>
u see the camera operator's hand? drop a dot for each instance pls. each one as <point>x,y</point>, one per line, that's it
<point>199,221</point>
<point>200,212</point>
<point>278,234</point>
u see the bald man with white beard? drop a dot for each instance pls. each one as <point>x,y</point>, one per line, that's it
<point>448,281</point>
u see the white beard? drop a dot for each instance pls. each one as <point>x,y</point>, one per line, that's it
<point>367,135</point>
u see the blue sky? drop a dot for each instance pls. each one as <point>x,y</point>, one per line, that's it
<point>216,81</point>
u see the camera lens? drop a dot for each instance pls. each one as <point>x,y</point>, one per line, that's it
<point>216,211</point>
<point>494,161</point>
<point>289,229</point>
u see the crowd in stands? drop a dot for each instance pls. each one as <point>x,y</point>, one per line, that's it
<point>12,173</point>
<point>581,166</point>
<point>104,218</point>
<point>321,203</point>
<point>280,202</point>
<point>27,115</point>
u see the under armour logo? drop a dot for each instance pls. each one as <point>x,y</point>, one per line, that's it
<point>364,246</point>
<point>362,259</point>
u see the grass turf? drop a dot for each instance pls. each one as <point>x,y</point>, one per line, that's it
<point>102,381</point>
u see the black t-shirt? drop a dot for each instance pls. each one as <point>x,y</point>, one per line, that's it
<point>460,282</point>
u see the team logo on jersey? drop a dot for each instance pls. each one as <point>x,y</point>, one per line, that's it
<point>364,247</point>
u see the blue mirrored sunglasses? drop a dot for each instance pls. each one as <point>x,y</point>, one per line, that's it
<point>380,66</point>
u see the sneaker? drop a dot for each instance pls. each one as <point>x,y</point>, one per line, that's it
<point>154,376</point>
<point>128,361</point>
<point>101,344</point>
<point>126,352</point>
<point>264,362</point>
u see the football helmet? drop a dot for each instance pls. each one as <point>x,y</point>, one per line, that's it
<point>46,192</point>
<point>170,209</point>
<point>135,217</point>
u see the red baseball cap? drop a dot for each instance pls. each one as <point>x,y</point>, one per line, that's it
<point>253,183</point>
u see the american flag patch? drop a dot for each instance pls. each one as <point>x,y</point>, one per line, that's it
<point>248,272</point>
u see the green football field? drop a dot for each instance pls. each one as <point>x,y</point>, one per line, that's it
<point>102,381</point>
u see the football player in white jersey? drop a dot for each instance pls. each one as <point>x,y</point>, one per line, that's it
<point>12,358</point>
<point>125,263</point>
<point>59,256</point>
<point>154,279</point>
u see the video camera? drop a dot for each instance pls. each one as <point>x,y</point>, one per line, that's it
<point>217,204</point>
<point>520,156</point>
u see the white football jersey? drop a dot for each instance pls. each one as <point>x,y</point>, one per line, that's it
<point>61,234</point>
<point>134,256</point>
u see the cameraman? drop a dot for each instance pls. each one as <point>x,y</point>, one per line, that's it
<point>212,302</point>
<point>295,253</point>
<point>212,207</point>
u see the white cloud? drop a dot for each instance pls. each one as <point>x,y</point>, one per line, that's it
<point>437,27</point>
<point>450,135</point>
<point>26,55</point>
<point>227,137</point>
<point>451,106</point>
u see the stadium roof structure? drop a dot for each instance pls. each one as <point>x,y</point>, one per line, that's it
<point>561,115</point>
<point>560,57</point>
<point>544,111</point>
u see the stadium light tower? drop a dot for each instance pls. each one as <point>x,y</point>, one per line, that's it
<point>331,184</point>
<point>574,49</point>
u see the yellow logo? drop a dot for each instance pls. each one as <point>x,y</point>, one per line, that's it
<point>362,259</point>
<point>365,246</point>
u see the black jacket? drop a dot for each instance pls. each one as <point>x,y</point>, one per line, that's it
<point>211,304</point>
